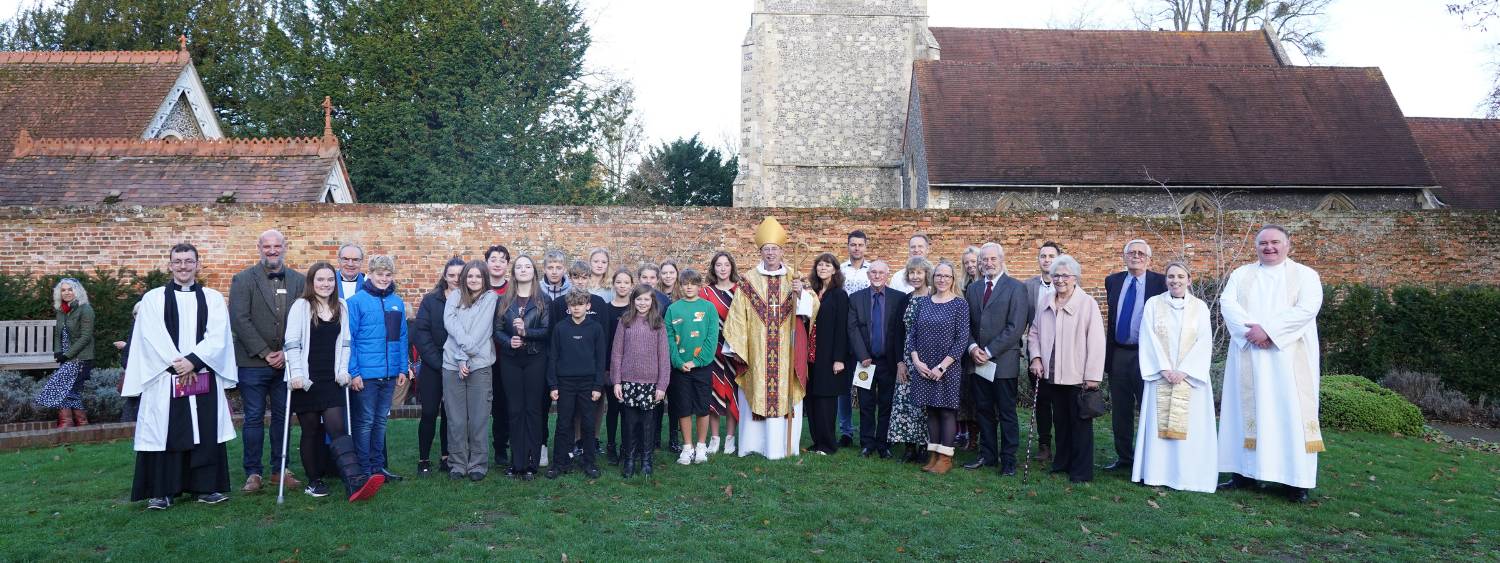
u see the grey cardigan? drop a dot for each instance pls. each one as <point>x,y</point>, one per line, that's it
<point>469,331</point>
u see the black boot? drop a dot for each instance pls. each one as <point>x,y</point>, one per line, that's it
<point>627,467</point>
<point>1238,481</point>
<point>357,483</point>
<point>1296,494</point>
<point>645,463</point>
<point>612,454</point>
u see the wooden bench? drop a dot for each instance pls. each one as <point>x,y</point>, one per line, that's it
<point>27,345</point>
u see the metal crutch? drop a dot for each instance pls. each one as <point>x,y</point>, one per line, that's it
<point>286,434</point>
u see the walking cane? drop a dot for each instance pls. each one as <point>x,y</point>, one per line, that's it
<point>286,434</point>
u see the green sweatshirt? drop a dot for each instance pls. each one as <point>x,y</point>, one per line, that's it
<point>692,332</point>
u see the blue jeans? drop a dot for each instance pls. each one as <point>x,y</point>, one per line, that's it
<point>261,388</point>
<point>372,407</point>
<point>846,415</point>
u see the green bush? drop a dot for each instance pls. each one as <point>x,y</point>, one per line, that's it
<point>112,295</point>
<point>1453,332</point>
<point>1351,402</point>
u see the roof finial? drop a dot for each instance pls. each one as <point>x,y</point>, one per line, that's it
<point>327,117</point>
<point>182,43</point>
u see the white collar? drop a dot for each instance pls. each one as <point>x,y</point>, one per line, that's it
<point>863,265</point>
<point>761,267</point>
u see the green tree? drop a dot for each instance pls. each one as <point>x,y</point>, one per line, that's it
<point>683,172</point>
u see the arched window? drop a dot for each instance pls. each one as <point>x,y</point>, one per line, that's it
<point>1196,203</point>
<point>1105,205</point>
<point>1335,202</point>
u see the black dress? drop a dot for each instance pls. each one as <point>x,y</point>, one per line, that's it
<point>322,352</point>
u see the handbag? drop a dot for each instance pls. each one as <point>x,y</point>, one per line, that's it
<point>1091,404</point>
<point>638,395</point>
<point>199,386</point>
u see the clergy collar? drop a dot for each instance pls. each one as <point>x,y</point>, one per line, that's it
<point>172,286</point>
<point>356,277</point>
<point>761,267</point>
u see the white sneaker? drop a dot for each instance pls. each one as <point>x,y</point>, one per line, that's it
<point>700,453</point>
<point>713,444</point>
<point>686,457</point>
<point>543,462</point>
<point>729,445</point>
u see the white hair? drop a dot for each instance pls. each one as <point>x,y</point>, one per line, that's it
<point>996,246</point>
<point>278,235</point>
<point>353,245</point>
<point>1068,262</point>
<point>80,296</point>
<point>1137,241</point>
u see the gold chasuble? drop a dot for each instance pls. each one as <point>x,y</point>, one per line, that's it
<point>761,329</point>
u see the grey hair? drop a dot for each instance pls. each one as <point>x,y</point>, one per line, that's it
<point>353,245</point>
<point>1274,227</point>
<point>881,262</point>
<point>997,246</point>
<point>278,235</point>
<point>1126,248</point>
<point>80,295</point>
<point>381,262</point>
<point>1066,261</point>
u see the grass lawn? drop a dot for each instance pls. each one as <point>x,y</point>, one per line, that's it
<point>1379,498</point>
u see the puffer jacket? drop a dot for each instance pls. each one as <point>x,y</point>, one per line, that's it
<point>377,329</point>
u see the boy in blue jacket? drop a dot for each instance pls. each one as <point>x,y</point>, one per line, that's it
<point>377,360</point>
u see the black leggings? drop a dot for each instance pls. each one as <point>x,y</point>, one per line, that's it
<point>942,425</point>
<point>316,459</point>
<point>430,393</point>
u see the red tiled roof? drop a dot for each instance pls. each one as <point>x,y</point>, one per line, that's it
<point>987,124</point>
<point>83,93</point>
<point>1090,47</point>
<point>85,171</point>
<point>1464,155</point>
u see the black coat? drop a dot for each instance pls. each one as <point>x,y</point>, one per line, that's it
<point>860,322</point>
<point>832,346</point>
<point>538,324</point>
<point>428,333</point>
<point>1114,285</point>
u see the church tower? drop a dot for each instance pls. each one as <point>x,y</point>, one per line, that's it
<point>823,94</point>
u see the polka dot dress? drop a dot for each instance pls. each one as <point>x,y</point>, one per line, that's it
<point>941,330</point>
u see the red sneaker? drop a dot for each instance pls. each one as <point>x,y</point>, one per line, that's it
<point>371,486</point>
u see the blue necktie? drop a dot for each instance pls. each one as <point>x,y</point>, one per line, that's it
<point>1127,310</point>
<point>877,325</point>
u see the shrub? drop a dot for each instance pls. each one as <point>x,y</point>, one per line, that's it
<point>112,295</point>
<point>1351,402</point>
<point>100,398</point>
<point>16,393</point>
<point>1436,400</point>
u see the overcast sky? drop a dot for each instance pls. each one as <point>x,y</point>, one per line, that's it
<point>682,55</point>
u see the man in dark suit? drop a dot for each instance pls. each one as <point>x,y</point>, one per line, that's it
<point>1038,288</point>
<point>877,336</point>
<point>1127,293</point>
<point>998,313</point>
<point>259,299</point>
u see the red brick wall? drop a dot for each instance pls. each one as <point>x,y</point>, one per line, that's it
<point>1382,248</point>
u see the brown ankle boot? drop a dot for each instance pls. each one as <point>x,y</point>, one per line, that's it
<point>64,418</point>
<point>932,457</point>
<point>80,417</point>
<point>945,460</point>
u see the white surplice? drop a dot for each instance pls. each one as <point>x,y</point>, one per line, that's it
<point>1284,300</point>
<point>1189,464</point>
<point>152,352</point>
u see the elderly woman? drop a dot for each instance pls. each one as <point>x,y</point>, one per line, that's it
<point>1066,346</point>
<point>73,342</point>
<point>1176,445</point>
<point>934,346</point>
<point>908,423</point>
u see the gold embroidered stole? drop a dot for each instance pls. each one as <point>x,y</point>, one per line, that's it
<point>1173,400</point>
<point>1302,376</point>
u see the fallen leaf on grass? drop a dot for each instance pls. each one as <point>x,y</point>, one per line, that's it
<point>817,552</point>
<point>1152,504</point>
<point>900,549</point>
<point>565,558</point>
<point>1450,500</point>
<point>729,491</point>
<point>743,475</point>
<point>1372,478</point>
<point>1086,529</point>
<point>924,513</point>
<point>1354,514</point>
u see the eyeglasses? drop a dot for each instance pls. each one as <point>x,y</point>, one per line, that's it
<point>1062,276</point>
<point>342,259</point>
<point>944,276</point>
<point>187,262</point>
<point>1137,254</point>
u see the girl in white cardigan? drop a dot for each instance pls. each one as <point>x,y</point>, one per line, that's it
<point>317,372</point>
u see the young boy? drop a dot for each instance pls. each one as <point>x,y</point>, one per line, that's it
<point>693,336</point>
<point>575,376</point>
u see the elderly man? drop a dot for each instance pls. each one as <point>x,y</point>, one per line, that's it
<point>259,299</point>
<point>1127,293</point>
<point>1269,427</point>
<point>1039,287</point>
<point>761,329</point>
<point>351,260</point>
<point>916,247</point>
<point>876,338</point>
<point>998,314</point>
<point>181,360</point>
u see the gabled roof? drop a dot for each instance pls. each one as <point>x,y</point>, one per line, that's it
<point>166,172</point>
<point>1464,155</point>
<point>995,125</point>
<point>1091,47</point>
<point>84,94</point>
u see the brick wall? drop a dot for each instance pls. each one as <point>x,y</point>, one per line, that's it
<point>1382,248</point>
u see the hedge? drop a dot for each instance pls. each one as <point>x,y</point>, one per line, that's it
<point>1453,332</point>
<point>112,295</point>
<point>1351,402</point>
